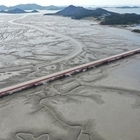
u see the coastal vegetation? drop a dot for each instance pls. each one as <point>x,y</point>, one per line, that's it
<point>105,17</point>
<point>121,19</point>
<point>136,30</point>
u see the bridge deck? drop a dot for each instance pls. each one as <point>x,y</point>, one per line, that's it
<point>21,86</point>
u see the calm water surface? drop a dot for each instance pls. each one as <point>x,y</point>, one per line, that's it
<point>125,10</point>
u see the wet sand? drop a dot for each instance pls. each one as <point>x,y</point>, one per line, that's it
<point>100,104</point>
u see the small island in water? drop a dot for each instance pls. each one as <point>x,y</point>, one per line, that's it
<point>17,11</point>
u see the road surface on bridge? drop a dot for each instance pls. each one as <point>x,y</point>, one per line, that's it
<point>41,80</point>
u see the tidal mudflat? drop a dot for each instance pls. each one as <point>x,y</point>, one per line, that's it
<point>100,104</point>
<point>35,45</point>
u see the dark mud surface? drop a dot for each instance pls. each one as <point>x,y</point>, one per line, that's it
<point>34,45</point>
<point>100,104</point>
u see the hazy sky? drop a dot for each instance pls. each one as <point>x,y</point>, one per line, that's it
<point>74,2</point>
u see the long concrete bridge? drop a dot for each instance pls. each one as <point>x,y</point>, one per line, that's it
<point>41,80</point>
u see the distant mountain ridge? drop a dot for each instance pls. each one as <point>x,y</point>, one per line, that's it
<point>17,11</point>
<point>32,6</point>
<point>3,7</point>
<point>126,7</point>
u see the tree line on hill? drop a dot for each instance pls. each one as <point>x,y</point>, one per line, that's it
<point>105,17</point>
<point>121,19</point>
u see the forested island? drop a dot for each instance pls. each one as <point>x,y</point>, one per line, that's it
<point>17,11</point>
<point>81,12</point>
<point>121,19</point>
<point>103,16</point>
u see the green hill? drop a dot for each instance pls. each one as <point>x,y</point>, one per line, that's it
<point>121,19</point>
<point>80,12</point>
